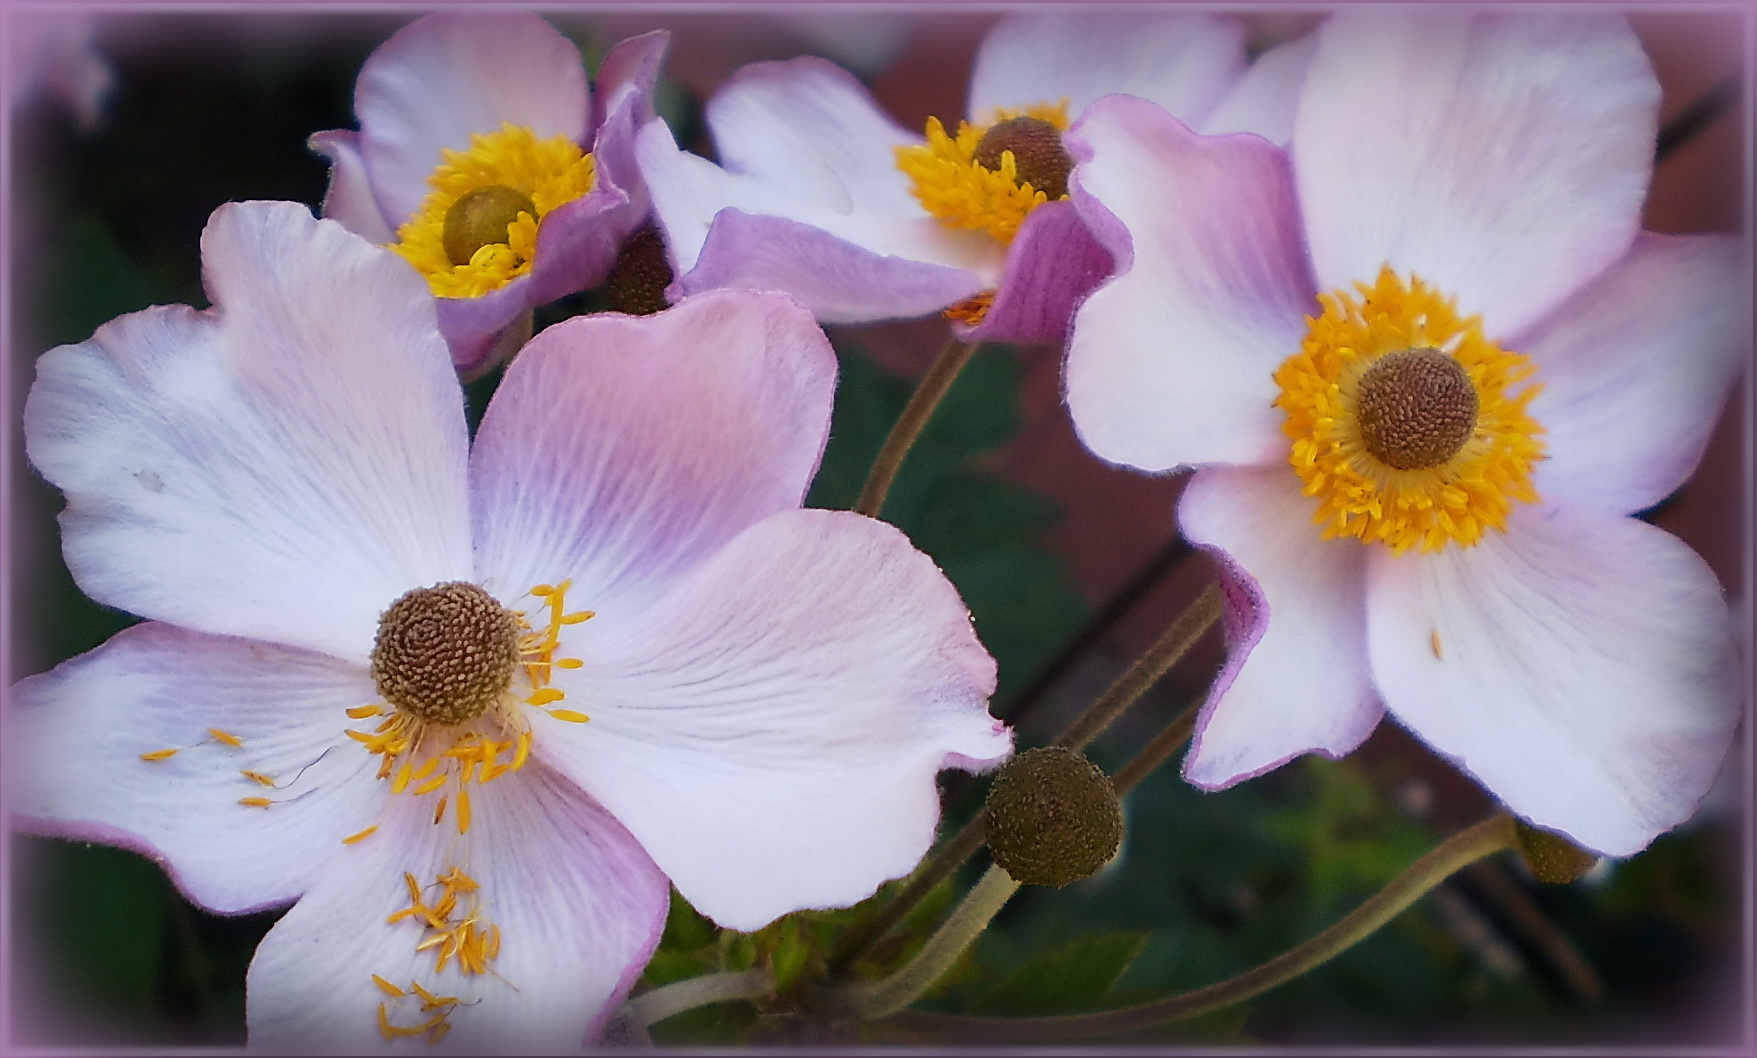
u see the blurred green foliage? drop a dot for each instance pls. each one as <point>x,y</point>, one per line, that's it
<point>1206,884</point>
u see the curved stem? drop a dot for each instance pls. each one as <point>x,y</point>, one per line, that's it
<point>666,1001</point>
<point>1450,856</point>
<point>1135,681</point>
<point>1173,738</point>
<point>928,393</point>
<point>961,927</point>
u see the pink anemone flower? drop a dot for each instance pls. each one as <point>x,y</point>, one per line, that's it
<point>1427,366</point>
<point>369,681</point>
<point>819,193</point>
<point>485,160</point>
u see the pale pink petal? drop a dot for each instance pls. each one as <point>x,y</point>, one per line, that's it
<point>619,451</point>
<point>1053,263</point>
<point>1581,666</point>
<point>810,131</point>
<point>578,904</point>
<point>75,735</point>
<point>1171,363</point>
<point>443,77</point>
<point>1295,679</point>
<point>770,729</point>
<point>1266,99</point>
<point>1183,62</point>
<point>279,467</point>
<point>1635,368</point>
<point>839,280</point>
<point>1502,157</point>
<point>861,265</point>
<point>349,199</point>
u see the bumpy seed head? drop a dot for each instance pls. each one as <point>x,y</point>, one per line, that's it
<point>1053,817</point>
<point>1551,857</point>
<point>1038,155</point>
<point>445,653</point>
<point>481,217</point>
<point>637,283</point>
<point>1417,408</point>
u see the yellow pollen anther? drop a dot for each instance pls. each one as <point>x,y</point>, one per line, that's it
<point>159,754</point>
<point>568,663</point>
<point>545,173</point>
<point>355,839</point>
<point>257,777</point>
<point>361,712</point>
<point>545,696</point>
<point>569,715</point>
<point>255,802</point>
<point>1405,423</point>
<point>953,185</point>
<point>388,988</point>
<point>224,736</point>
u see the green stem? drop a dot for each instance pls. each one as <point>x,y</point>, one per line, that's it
<point>1146,671</point>
<point>928,393</point>
<point>1450,856</point>
<point>962,927</point>
<point>666,1001</point>
<point>1173,738</point>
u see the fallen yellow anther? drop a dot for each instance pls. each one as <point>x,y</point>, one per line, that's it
<point>159,754</point>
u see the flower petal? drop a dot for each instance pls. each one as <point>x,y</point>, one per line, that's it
<point>619,451</point>
<point>770,730</point>
<point>1296,678</point>
<point>75,737</point>
<point>579,906</point>
<point>1053,263</point>
<point>443,77</point>
<point>280,467</point>
<point>1265,100</point>
<point>1635,368</point>
<point>1501,157</point>
<point>349,199</point>
<point>810,131</point>
<point>1185,63</point>
<point>1171,362</point>
<point>1585,671</point>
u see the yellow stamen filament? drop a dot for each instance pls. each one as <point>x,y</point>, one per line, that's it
<point>431,784</point>
<point>159,754</point>
<point>355,839</point>
<point>361,712</point>
<point>225,736</point>
<point>255,802</point>
<point>551,172</point>
<point>388,988</point>
<point>463,811</point>
<point>1358,495</point>
<point>962,193</point>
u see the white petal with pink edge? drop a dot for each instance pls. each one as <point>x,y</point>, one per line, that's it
<point>1185,63</point>
<point>1635,369</point>
<point>1265,101</point>
<point>349,199</point>
<point>1585,672</point>
<point>76,734</point>
<point>1171,364</point>
<point>770,730</point>
<point>1296,677</point>
<point>280,467</point>
<point>444,77</point>
<point>810,131</point>
<point>578,906</point>
<point>620,451</point>
<point>1502,157</point>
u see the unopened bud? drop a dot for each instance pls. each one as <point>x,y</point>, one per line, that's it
<point>1053,817</point>
<point>1551,857</point>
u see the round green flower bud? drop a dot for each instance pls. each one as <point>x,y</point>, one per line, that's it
<point>1053,817</point>
<point>1551,857</point>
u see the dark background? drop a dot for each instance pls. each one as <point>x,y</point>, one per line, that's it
<point>208,108</point>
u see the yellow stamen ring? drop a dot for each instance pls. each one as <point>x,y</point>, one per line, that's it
<point>548,173</point>
<point>1435,498</point>
<point>962,192</point>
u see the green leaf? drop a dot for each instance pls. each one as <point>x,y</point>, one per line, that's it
<point>1077,976</point>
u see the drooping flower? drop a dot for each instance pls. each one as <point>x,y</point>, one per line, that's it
<point>819,193</point>
<point>369,680</point>
<point>486,161</point>
<point>1428,366</point>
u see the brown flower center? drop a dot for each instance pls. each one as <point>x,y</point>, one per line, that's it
<point>1417,408</point>
<point>480,218</point>
<point>444,654</point>
<point>637,283</point>
<point>1038,155</point>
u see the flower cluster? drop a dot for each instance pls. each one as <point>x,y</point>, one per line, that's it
<point>473,701</point>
